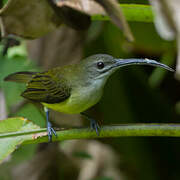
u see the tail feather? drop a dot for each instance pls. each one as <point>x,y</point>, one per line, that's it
<point>21,77</point>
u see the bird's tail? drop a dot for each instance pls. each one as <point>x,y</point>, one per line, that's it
<point>21,77</point>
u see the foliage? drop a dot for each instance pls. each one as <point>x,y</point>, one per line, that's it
<point>8,143</point>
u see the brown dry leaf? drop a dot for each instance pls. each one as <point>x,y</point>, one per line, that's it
<point>28,19</point>
<point>114,11</point>
<point>89,7</point>
<point>33,19</point>
<point>92,7</point>
<point>71,14</point>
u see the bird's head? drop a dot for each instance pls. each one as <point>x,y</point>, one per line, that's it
<point>101,66</point>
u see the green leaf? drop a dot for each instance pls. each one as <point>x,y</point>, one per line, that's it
<point>32,113</point>
<point>132,12</point>
<point>11,124</point>
<point>9,143</point>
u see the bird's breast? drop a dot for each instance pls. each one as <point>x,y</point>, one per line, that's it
<point>80,99</point>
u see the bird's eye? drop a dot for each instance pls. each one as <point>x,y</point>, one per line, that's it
<point>100,65</point>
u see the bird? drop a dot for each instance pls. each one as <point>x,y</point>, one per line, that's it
<point>74,88</point>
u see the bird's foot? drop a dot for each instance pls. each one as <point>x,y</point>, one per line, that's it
<point>50,131</point>
<point>93,124</point>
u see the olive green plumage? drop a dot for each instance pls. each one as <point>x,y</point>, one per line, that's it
<point>49,87</point>
<point>74,88</point>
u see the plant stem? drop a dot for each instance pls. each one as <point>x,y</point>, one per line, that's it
<point>126,130</point>
<point>166,130</point>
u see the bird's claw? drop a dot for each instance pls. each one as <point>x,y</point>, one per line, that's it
<point>95,126</point>
<point>50,131</point>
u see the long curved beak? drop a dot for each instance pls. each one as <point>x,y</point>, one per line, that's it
<point>150,62</point>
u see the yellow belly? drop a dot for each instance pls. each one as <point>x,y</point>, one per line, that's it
<point>76,103</point>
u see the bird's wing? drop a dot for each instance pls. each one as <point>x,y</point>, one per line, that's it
<point>47,87</point>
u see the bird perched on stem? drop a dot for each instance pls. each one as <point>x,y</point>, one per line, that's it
<point>74,88</point>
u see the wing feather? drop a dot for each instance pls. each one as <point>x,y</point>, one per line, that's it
<point>47,87</point>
